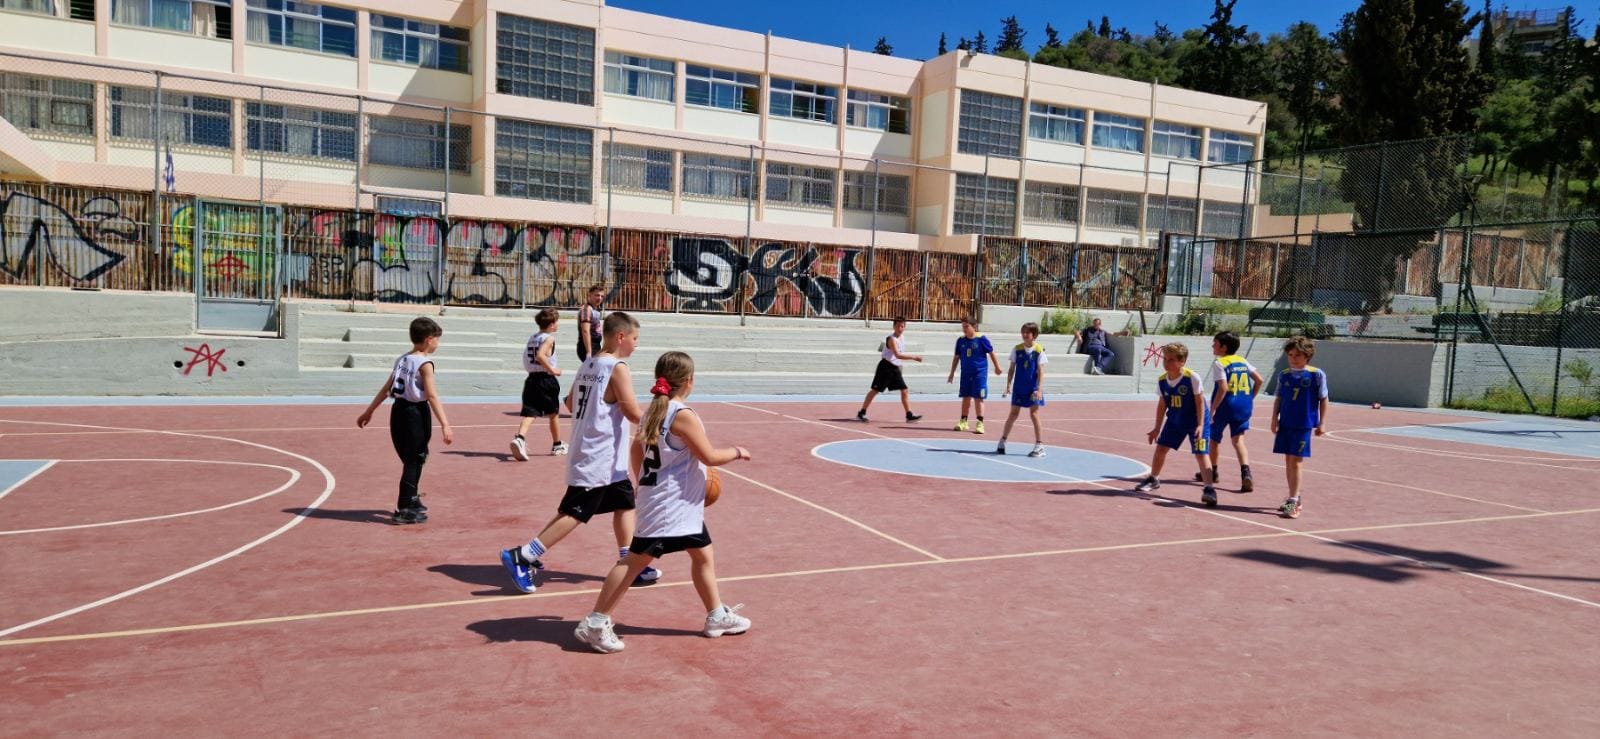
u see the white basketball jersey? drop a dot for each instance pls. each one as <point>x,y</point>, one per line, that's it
<point>408,377</point>
<point>892,344</point>
<point>672,485</point>
<point>531,365</point>
<point>600,433</point>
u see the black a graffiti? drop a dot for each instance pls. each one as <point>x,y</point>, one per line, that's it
<point>827,296</point>
<point>706,272</point>
<point>67,242</point>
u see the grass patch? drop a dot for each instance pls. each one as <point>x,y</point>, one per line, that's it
<point>1507,399</point>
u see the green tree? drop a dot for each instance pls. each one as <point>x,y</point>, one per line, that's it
<point>883,47</point>
<point>1011,35</point>
<point>1305,64</point>
<point>1229,61</point>
<point>1105,27</point>
<point>980,44</point>
<point>1488,51</point>
<point>1509,121</point>
<point>963,44</point>
<point>942,49</point>
<point>1052,37</point>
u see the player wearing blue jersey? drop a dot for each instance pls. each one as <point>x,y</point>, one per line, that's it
<point>1298,411</point>
<point>1234,383</point>
<point>974,355</point>
<point>1185,414</point>
<point>1025,383</point>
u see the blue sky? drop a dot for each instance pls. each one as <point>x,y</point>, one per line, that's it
<point>913,27</point>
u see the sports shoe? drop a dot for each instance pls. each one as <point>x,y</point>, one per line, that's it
<point>519,449</point>
<point>728,622</point>
<point>912,417</point>
<point>559,448</point>
<point>1095,371</point>
<point>598,634</point>
<point>1146,485</point>
<point>1290,508</point>
<point>522,571</point>
<point>647,575</point>
<point>1001,447</point>
<point>1246,484</point>
<point>1038,451</point>
<point>1216,476</point>
<point>961,425</point>
<point>861,415</point>
<point>1208,497</point>
<point>978,429</point>
<point>406,516</point>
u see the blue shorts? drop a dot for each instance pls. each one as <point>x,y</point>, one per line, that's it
<point>1226,419</point>
<point>1173,436</point>
<point>1025,400</point>
<point>974,386</point>
<point>1293,442</point>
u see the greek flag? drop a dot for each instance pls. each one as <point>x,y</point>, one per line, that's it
<point>170,175</point>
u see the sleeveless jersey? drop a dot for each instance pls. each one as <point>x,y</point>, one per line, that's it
<point>672,485</point>
<point>892,344</point>
<point>408,377</point>
<point>600,432</point>
<point>531,365</point>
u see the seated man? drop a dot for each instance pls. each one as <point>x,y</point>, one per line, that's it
<point>1092,341</point>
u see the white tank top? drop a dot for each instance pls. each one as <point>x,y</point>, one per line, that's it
<point>892,344</point>
<point>672,485</point>
<point>408,377</point>
<point>531,365</point>
<point>600,433</point>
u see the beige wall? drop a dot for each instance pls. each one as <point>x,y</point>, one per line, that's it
<point>44,33</point>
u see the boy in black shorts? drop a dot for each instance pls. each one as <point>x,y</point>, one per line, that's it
<point>541,392</point>
<point>888,375</point>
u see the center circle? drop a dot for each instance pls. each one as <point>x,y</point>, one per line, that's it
<point>977,460</point>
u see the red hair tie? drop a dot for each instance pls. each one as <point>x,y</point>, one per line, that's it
<point>662,387</point>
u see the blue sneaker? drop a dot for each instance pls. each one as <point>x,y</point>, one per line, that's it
<point>647,575</point>
<point>522,571</point>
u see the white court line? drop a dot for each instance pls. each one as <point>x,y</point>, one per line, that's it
<point>13,486</point>
<point>327,491</point>
<point>294,476</point>
<point>919,550</point>
<point>1478,456</point>
<point>266,429</point>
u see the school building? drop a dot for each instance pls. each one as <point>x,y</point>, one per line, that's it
<point>569,111</point>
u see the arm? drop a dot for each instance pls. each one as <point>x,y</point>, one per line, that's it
<point>543,358</point>
<point>585,320</point>
<point>1010,373</point>
<point>620,392</point>
<point>895,347</point>
<point>377,400</point>
<point>1038,386</point>
<point>1161,409</point>
<point>1256,383</point>
<point>635,459</point>
<point>1199,407</point>
<point>432,390</point>
<point>1322,414</point>
<point>994,360</point>
<point>687,426</point>
<point>1277,402</point>
<point>1219,391</point>
<point>954,362</point>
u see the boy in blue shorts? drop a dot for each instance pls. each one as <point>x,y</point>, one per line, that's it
<point>1234,385</point>
<point>974,355</point>
<point>1187,417</point>
<point>1025,383</point>
<point>1298,411</point>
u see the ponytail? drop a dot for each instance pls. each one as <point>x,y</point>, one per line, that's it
<point>673,371</point>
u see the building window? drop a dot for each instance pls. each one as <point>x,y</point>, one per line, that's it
<point>185,119</point>
<point>637,168</point>
<point>990,124</point>
<point>543,162</point>
<point>894,192</point>
<point>1174,140</point>
<point>393,141</point>
<point>802,187</point>
<point>1112,209</point>
<point>639,76</point>
<point>208,18</point>
<point>1054,123</point>
<point>883,112</point>
<point>1174,215</point>
<point>986,205</point>
<point>45,104</point>
<point>722,88</point>
<point>78,10</point>
<point>1047,202</point>
<point>1223,219</point>
<point>300,25</point>
<point>420,43</point>
<point>1122,132</point>
<point>301,132</point>
<point>726,178</point>
<point>804,100</point>
<point>1231,148</point>
<point>544,60</point>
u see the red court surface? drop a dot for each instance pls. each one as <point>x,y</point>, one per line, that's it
<point>221,570</point>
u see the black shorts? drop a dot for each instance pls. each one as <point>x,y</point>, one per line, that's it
<point>584,503</point>
<point>655,546</point>
<point>888,377</point>
<point>541,395</point>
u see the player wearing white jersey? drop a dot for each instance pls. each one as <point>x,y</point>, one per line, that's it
<point>416,402</point>
<point>541,392</point>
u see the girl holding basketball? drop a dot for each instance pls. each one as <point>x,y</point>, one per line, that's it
<point>669,457</point>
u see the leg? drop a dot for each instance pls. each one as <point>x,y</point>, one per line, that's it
<point>622,523</point>
<point>522,428</point>
<point>1238,449</point>
<point>1205,469</point>
<point>1157,461</point>
<point>977,405</point>
<point>555,429</point>
<point>1291,468</point>
<point>966,405</point>
<point>617,581</point>
<point>704,573</point>
<point>905,400</point>
<point>1038,431</point>
<point>1105,359</point>
<point>868,402</point>
<point>556,530</point>
<point>1011,420</point>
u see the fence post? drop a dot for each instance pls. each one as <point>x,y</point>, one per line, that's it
<point>872,243</point>
<point>925,285</point>
<point>611,180</point>
<point>155,189</point>
<point>749,218</point>
<point>355,211</point>
<point>1022,274</point>
<point>1116,274</point>
<point>444,215</point>
<point>1377,204</point>
<point>1561,318</point>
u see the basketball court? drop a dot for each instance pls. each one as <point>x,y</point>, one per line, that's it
<point>214,568</point>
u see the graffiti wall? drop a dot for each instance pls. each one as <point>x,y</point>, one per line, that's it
<point>1047,273</point>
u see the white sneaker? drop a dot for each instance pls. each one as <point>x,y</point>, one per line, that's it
<point>728,622</point>
<point>558,449</point>
<point>1095,371</point>
<point>519,450</point>
<point>598,634</point>
<point>1038,451</point>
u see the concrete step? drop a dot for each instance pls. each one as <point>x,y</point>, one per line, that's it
<point>385,362</point>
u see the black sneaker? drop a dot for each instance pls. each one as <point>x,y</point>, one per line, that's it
<point>1246,484</point>
<point>1149,483</point>
<point>1208,497</point>
<point>1216,476</point>
<point>910,417</point>
<point>861,415</point>
<point>409,516</point>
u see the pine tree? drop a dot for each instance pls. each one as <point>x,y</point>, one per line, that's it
<point>964,44</point>
<point>979,44</point>
<point>1305,65</point>
<point>1052,37</point>
<point>1105,27</point>
<point>883,47</point>
<point>1011,34</point>
<point>942,49</point>
<point>1229,61</point>
<point>1487,53</point>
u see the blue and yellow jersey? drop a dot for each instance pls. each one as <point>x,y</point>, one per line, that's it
<point>1237,386</point>
<point>1300,394</point>
<point>1026,361</point>
<point>974,354</point>
<point>1180,397</point>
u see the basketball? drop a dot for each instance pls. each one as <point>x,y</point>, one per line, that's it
<point>713,485</point>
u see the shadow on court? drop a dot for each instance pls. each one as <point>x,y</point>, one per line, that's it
<point>502,456</point>
<point>1388,573</point>
<point>552,630</point>
<point>495,575</point>
<point>359,515</point>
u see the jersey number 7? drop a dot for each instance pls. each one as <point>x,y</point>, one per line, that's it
<point>583,401</point>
